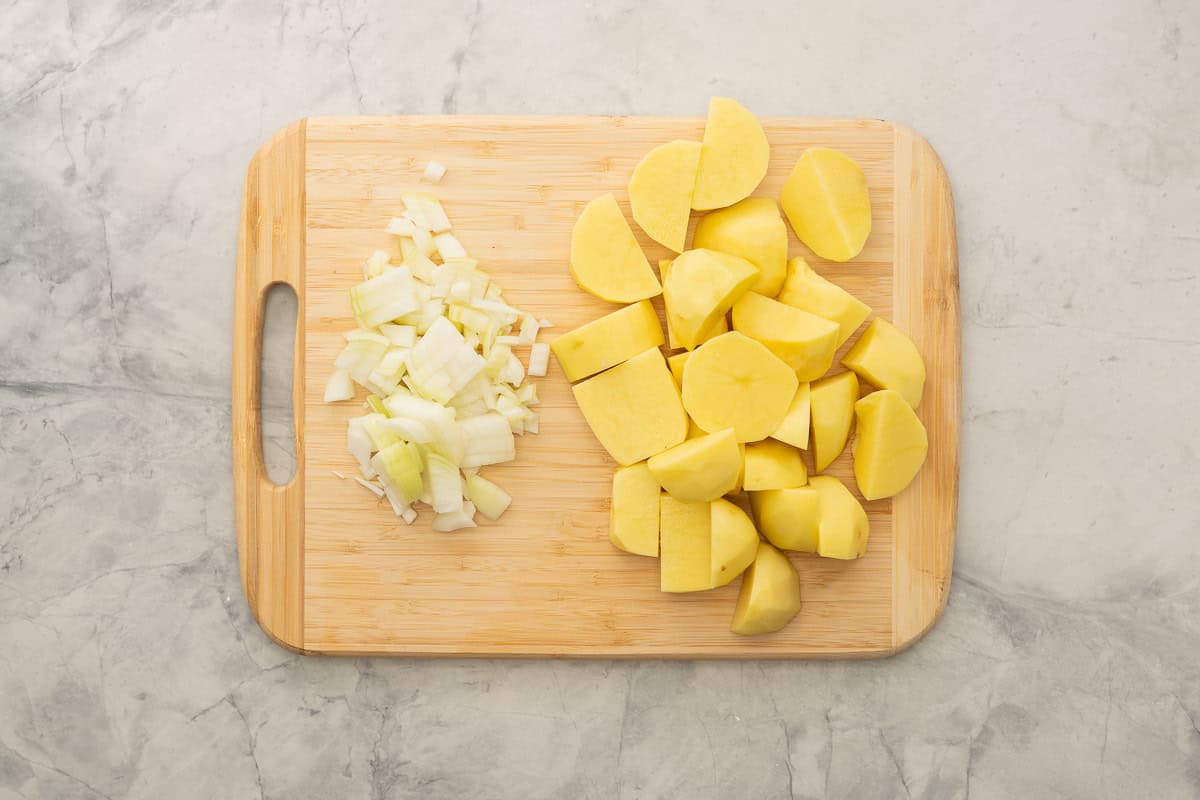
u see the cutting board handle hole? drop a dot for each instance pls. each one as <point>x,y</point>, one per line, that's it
<point>275,380</point>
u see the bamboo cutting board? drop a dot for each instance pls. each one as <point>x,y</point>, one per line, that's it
<point>328,569</point>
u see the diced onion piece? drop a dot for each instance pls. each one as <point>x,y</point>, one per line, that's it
<point>383,299</point>
<point>433,171</point>
<point>529,330</point>
<point>409,429</point>
<point>513,373</point>
<point>399,335</point>
<point>401,226</point>
<point>423,240</point>
<point>339,387</point>
<point>399,467</point>
<point>531,422</point>
<point>448,246</point>
<point>409,515</point>
<point>375,266</point>
<point>445,523</point>
<point>488,439</point>
<point>441,363</point>
<point>539,359</point>
<point>528,395</point>
<point>510,341</point>
<point>545,323</point>
<point>445,484</point>
<point>490,499</point>
<point>425,210</point>
<point>360,446</point>
<point>420,265</point>
<point>380,436</point>
<point>358,335</point>
<point>373,488</point>
<point>376,404</point>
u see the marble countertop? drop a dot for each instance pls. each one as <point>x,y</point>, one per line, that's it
<point>1068,661</point>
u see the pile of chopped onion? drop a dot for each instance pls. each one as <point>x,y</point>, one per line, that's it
<point>434,349</point>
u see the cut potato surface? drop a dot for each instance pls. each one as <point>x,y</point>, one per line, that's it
<point>891,444</point>
<point>771,464</point>
<point>733,160</point>
<point>701,285</point>
<point>808,291</point>
<point>827,202</point>
<point>633,521</point>
<point>789,518</point>
<point>634,408</point>
<point>753,230</point>
<point>887,359</point>
<point>721,325</point>
<point>804,341</point>
<point>832,401</point>
<point>844,527</point>
<point>685,548</point>
<point>676,363</point>
<point>794,428</point>
<point>735,382</point>
<point>699,469</point>
<point>734,541</point>
<point>607,341</point>
<point>606,259</point>
<point>770,594</point>
<point>660,192</point>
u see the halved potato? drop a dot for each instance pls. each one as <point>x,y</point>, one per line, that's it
<point>607,341</point>
<point>832,401</point>
<point>753,230</point>
<point>804,341</point>
<point>701,285</point>
<point>891,444</point>
<point>633,408</point>
<point>633,519</point>
<point>685,548</point>
<point>734,541</point>
<point>771,464</point>
<point>606,259</point>
<point>794,428</point>
<point>844,527</point>
<point>789,518</point>
<point>660,191</point>
<point>887,359</point>
<point>808,291</point>
<point>700,469</point>
<point>826,200</point>
<point>733,160</point>
<point>770,594</point>
<point>735,382</point>
<point>721,325</point>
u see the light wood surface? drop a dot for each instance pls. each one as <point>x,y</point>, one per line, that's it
<point>329,569</point>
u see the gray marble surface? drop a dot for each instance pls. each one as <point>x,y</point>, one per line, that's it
<point>1068,662</point>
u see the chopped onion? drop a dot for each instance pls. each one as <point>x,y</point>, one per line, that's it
<point>425,211</point>
<point>539,359</point>
<point>490,499</point>
<point>399,335</point>
<point>445,484</point>
<point>409,429</point>
<point>488,439</point>
<point>383,299</point>
<point>373,488</point>
<point>457,520</point>
<point>339,387</point>
<point>401,226</point>
<point>433,172</point>
<point>448,246</point>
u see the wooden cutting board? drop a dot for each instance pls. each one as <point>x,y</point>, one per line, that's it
<point>328,569</point>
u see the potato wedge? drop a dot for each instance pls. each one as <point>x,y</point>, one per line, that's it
<point>685,548</point>
<point>700,469</point>
<point>827,202</point>
<point>887,359</point>
<point>734,541</point>
<point>733,160</point>
<point>789,518</point>
<point>660,191</point>
<point>808,291</point>
<point>891,444</point>
<point>794,428</point>
<point>770,594</point>
<point>804,341</point>
<point>832,401</point>
<point>607,341</point>
<point>633,519</point>
<point>735,382</point>
<point>676,363</point>
<point>771,464</point>
<point>754,230</point>
<point>606,260</point>
<point>844,527</point>
<point>701,285</point>
<point>721,325</point>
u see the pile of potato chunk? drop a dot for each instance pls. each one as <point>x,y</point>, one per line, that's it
<point>716,430</point>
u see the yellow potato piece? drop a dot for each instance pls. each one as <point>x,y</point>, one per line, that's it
<point>804,341</point>
<point>676,363</point>
<point>741,478</point>
<point>720,326</point>
<point>633,408</point>
<point>700,469</point>
<point>734,158</point>
<point>808,291</point>
<point>660,192</point>
<point>695,431</point>
<point>606,259</point>
<point>832,401</point>
<point>633,520</point>
<point>887,359</point>
<point>607,341</point>
<point>844,528</point>
<point>700,286</point>
<point>891,444</point>
<point>734,542</point>
<point>753,230</point>
<point>685,546</point>
<point>826,200</point>
<point>771,464</point>
<point>794,428</point>
<point>789,518</point>
<point>770,594</point>
<point>735,382</point>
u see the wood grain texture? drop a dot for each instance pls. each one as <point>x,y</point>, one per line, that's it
<point>544,580</point>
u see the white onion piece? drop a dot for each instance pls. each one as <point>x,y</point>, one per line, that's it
<point>539,359</point>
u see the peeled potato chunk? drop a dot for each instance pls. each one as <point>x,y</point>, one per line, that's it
<point>633,520</point>
<point>721,325</point>
<point>700,469</point>
<point>770,594</point>
<point>701,285</point>
<point>804,341</point>
<point>733,160</point>
<point>789,518</point>
<point>771,464</point>
<point>634,408</point>
<point>826,200</point>
<point>685,548</point>
<point>676,363</point>
<point>753,230</point>
<point>844,528</point>
<point>660,191</point>
<point>735,382</point>
<point>606,259</point>
<point>734,541</point>
<point>808,291</point>
<point>891,444</point>
<point>607,341</point>
<point>794,428</point>
<point>887,359</point>
<point>832,401</point>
